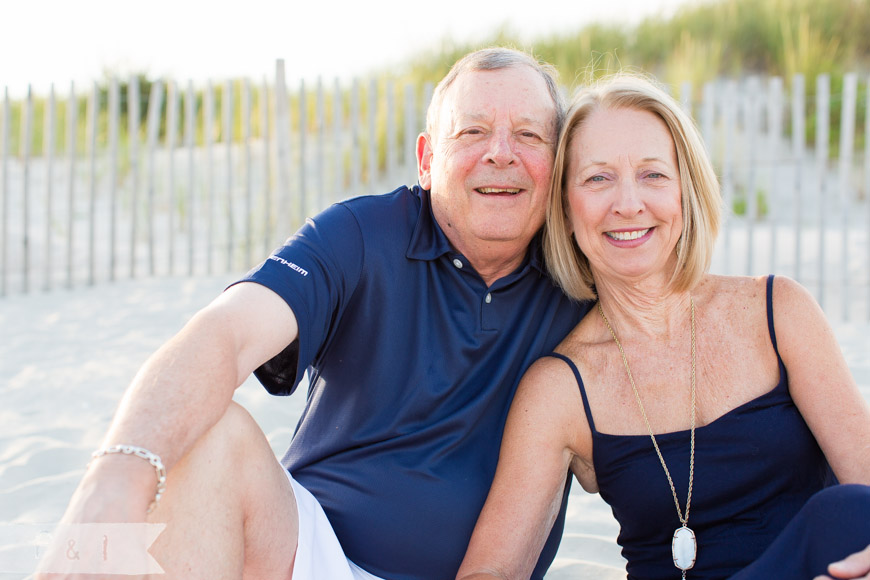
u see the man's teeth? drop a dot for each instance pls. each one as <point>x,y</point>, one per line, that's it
<point>623,236</point>
<point>497,190</point>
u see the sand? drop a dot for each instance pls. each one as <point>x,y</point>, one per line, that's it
<point>67,356</point>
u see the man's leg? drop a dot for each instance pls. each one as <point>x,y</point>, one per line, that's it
<point>229,508</point>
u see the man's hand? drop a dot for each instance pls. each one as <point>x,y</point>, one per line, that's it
<point>116,489</point>
<point>855,567</point>
<point>180,395</point>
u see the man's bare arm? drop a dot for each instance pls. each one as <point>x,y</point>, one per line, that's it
<point>179,394</point>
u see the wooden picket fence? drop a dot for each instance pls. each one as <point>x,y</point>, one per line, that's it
<point>201,193</point>
<point>794,210</point>
<point>211,180</point>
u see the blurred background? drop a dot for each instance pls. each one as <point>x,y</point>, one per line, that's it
<point>192,138</point>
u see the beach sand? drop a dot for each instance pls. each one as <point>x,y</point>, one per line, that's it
<point>67,356</point>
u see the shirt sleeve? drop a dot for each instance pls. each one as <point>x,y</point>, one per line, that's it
<point>316,272</point>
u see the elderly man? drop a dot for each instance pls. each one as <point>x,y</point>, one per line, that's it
<point>414,314</point>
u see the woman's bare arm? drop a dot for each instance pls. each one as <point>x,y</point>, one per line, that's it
<point>820,382</point>
<point>536,452</point>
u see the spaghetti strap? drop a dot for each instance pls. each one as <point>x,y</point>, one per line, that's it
<point>770,327</point>
<point>586,407</point>
<point>770,313</point>
<point>772,331</point>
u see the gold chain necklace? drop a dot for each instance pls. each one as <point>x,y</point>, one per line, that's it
<point>684,547</point>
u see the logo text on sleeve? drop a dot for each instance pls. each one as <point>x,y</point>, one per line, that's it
<point>290,265</point>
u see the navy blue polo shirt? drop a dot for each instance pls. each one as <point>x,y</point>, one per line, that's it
<point>413,362</point>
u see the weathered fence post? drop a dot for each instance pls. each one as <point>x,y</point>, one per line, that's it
<point>848,106</point>
<point>823,101</point>
<point>282,140</point>
<point>372,136</point>
<point>411,129</point>
<point>798,144</point>
<point>92,113</point>
<point>355,144</point>
<point>155,101</point>
<point>337,141</point>
<point>208,130</point>
<point>246,109</point>
<point>708,116</point>
<point>428,89</point>
<point>190,143</point>
<point>227,107</point>
<point>751,129</point>
<point>171,200</point>
<point>26,140</point>
<point>867,182</point>
<point>71,123</point>
<point>48,151</point>
<point>774,159</point>
<point>133,146</point>
<point>114,123</point>
<point>686,96</point>
<point>319,152</point>
<point>4,192</point>
<point>729,119</point>
<point>391,134</point>
<point>303,154</point>
<point>268,211</point>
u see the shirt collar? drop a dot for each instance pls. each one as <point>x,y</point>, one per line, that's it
<point>428,242</point>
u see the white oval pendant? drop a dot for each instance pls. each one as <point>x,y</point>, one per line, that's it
<point>684,548</point>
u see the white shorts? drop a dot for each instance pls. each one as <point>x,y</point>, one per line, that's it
<point>319,555</point>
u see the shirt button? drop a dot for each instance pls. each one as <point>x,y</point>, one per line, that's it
<point>457,262</point>
<point>488,298</point>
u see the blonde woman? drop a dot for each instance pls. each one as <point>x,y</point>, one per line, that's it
<point>714,414</point>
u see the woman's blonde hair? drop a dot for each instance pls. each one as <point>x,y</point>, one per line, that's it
<point>700,196</point>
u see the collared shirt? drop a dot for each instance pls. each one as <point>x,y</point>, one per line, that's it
<point>412,361</point>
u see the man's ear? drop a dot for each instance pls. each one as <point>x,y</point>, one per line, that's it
<point>424,160</point>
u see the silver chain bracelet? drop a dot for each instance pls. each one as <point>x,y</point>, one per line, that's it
<point>153,459</point>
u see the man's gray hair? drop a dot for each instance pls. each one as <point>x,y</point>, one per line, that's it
<point>496,58</point>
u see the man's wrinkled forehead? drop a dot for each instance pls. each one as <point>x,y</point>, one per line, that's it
<point>455,106</point>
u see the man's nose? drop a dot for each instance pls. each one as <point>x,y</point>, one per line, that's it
<point>501,149</point>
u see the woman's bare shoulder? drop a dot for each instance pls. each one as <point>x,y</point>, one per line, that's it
<point>731,287</point>
<point>732,297</point>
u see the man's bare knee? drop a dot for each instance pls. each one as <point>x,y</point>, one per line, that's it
<point>236,436</point>
<point>228,496</point>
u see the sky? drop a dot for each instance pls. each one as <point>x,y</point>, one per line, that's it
<point>60,41</point>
